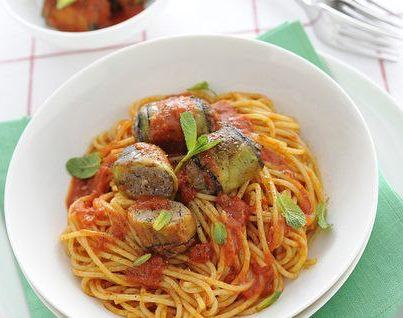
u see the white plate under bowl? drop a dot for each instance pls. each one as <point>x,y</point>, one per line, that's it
<point>99,95</point>
<point>385,121</point>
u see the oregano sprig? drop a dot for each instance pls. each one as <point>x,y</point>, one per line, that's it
<point>202,86</point>
<point>194,145</point>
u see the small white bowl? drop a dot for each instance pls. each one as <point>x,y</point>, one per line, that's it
<point>28,13</point>
<point>95,98</point>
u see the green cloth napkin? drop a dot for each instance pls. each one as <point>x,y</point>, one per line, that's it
<point>374,289</point>
<point>10,132</point>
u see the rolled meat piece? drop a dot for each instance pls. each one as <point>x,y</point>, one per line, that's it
<point>82,15</point>
<point>158,122</point>
<point>225,167</point>
<point>144,169</point>
<point>173,238</point>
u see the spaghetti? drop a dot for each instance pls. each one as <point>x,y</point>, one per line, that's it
<point>240,277</point>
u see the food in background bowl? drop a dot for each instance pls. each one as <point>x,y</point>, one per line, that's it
<point>197,205</point>
<point>88,15</point>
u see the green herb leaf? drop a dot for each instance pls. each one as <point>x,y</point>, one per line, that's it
<point>61,4</point>
<point>291,211</point>
<point>199,86</point>
<point>84,167</point>
<point>268,301</point>
<point>206,146</point>
<point>189,129</point>
<point>202,140</point>
<point>321,211</point>
<point>162,220</point>
<point>142,259</point>
<point>219,233</point>
<point>195,146</point>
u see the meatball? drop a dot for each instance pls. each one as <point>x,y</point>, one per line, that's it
<point>144,169</point>
<point>158,122</point>
<point>175,237</point>
<point>82,15</point>
<point>226,166</point>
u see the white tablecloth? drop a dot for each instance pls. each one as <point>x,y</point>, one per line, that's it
<point>30,69</point>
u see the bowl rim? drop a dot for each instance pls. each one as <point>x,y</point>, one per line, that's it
<point>82,34</point>
<point>373,157</point>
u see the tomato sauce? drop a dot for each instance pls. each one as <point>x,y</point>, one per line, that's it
<point>96,185</point>
<point>186,192</point>
<point>270,156</point>
<point>119,226</point>
<point>148,274</point>
<point>237,215</point>
<point>147,202</point>
<point>224,113</point>
<point>98,243</point>
<point>165,129</point>
<point>274,236</point>
<point>201,253</point>
<point>87,215</point>
<point>263,281</point>
<point>237,210</point>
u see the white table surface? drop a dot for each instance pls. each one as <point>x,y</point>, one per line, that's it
<point>30,69</point>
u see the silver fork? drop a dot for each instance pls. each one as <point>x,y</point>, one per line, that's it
<point>360,26</point>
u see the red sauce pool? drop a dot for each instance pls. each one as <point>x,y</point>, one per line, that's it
<point>237,214</point>
<point>148,274</point>
<point>201,253</point>
<point>224,113</point>
<point>263,281</point>
<point>273,157</point>
<point>97,185</point>
<point>237,210</point>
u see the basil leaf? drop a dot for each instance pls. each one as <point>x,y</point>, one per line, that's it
<point>189,129</point>
<point>291,211</point>
<point>219,233</point>
<point>199,86</point>
<point>268,301</point>
<point>84,167</point>
<point>321,211</point>
<point>61,4</point>
<point>142,259</point>
<point>162,220</point>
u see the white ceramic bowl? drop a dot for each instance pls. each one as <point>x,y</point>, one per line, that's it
<point>28,13</point>
<point>99,95</point>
